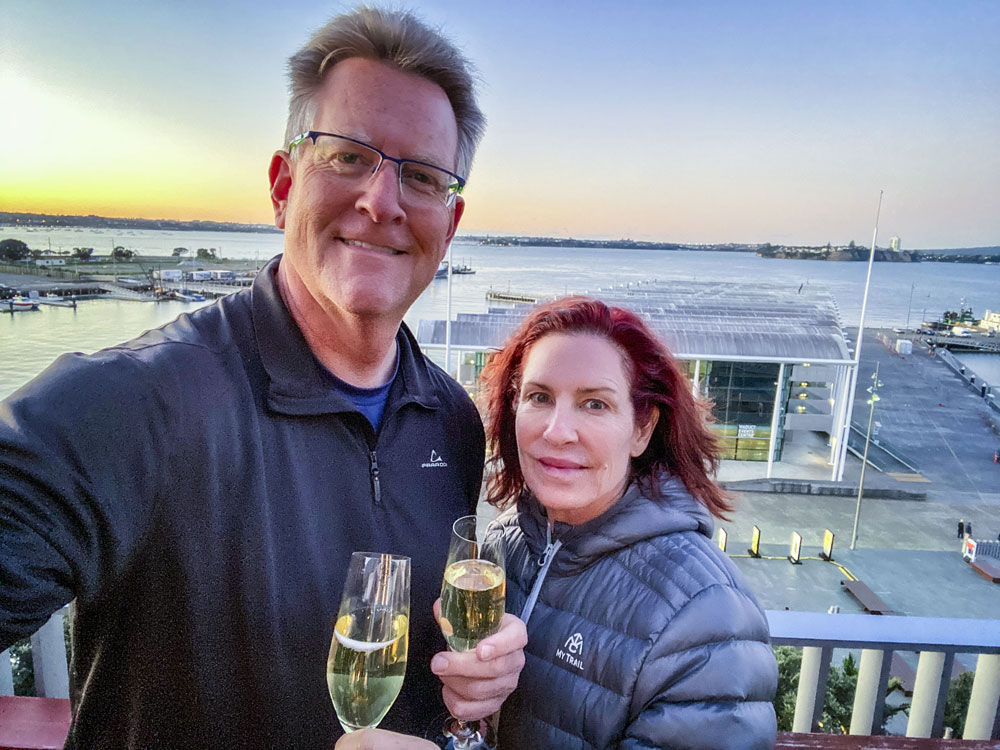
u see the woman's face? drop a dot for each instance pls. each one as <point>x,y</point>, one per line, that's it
<point>576,430</point>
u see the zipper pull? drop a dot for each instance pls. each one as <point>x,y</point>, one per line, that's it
<point>373,460</point>
<point>550,547</point>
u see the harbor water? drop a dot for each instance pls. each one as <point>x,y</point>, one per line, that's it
<point>901,293</point>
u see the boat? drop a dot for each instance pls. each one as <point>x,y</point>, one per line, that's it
<point>189,297</point>
<point>442,272</point>
<point>19,303</point>
<point>463,269</point>
<point>55,300</point>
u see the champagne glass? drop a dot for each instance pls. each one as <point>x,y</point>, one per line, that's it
<point>367,661</point>
<point>472,604</point>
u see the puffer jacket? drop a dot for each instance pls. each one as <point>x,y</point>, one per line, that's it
<point>641,632</point>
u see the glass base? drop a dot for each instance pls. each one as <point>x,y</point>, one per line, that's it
<point>447,733</point>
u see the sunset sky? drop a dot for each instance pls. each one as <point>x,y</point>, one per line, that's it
<point>677,121</point>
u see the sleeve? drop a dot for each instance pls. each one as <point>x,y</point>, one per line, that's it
<point>78,467</point>
<point>709,680</point>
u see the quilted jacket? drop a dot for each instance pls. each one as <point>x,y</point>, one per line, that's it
<point>641,632</point>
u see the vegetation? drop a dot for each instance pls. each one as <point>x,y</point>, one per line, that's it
<point>206,253</point>
<point>11,250</point>
<point>122,253</point>
<point>83,253</point>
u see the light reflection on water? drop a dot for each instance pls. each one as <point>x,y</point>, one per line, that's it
<point>29,341</point>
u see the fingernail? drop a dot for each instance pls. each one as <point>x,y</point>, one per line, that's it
<point>486,652</point>
<point>439,663</point>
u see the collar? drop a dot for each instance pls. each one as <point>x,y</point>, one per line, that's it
<point>636,517</point>
<point>298,383</point>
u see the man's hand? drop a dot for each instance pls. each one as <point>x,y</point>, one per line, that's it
<point>379,739</point>
<point>477,682</point>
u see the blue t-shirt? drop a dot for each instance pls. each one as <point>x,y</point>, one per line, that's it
<point>369,401</point>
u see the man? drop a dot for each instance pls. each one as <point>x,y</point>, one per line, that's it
<point>198,491</point>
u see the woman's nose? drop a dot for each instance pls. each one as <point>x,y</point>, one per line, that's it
<point>560,427</point>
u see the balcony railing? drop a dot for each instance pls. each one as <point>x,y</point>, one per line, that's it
<point>936,640</point>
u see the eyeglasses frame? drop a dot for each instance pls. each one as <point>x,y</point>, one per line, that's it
<point>383,156</point>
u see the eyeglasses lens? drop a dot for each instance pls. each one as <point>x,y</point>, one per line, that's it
<point>420,184</point>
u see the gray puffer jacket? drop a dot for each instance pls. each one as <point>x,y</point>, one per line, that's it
<point>641,632</point>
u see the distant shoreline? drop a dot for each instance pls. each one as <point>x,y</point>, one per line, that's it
<point>36,221</point>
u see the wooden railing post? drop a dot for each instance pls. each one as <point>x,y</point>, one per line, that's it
<point>812,688</point>
<point>869,697</point>
<point>6,674</point>
<point>981,721</point>
<point>48,654</point>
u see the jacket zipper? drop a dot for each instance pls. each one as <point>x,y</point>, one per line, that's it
<point>546,560</point>
<point>373,461</point>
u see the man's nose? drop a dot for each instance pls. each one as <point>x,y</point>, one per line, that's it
<point>380,195</point>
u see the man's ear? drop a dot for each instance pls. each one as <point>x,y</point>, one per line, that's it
<point>280,176</point>
<point>456,216</point>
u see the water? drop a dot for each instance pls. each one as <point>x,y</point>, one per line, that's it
<point>900,293</point>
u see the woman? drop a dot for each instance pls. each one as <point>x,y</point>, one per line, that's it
<point>641,632</point>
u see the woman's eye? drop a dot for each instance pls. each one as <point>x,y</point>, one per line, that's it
<point>537,398</point>
<point>596,405</point>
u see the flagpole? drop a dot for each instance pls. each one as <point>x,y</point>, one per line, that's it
<point>845,430</point>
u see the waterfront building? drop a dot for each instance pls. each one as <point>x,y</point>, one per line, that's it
<point>772,358</point>
<point>894,244</point>
<point>991,321</point>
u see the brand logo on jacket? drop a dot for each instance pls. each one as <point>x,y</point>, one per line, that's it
<point>573,648</point>
<point>436,462</point>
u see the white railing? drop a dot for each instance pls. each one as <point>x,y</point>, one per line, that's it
<point>936,639</point>
<point>48,654</point>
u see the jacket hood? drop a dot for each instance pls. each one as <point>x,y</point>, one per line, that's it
<point>632,519</point>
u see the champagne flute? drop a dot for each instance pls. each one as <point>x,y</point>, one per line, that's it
<point>472,603</point>
<point>367,661</point>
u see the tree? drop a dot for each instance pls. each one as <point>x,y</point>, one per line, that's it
<point>956,704</point>
<point>83,253</point>
<point>206,253</point>
<point>122,253</point>
<point>11,249</point>
<point>851,244</point>
<point>179,251</point>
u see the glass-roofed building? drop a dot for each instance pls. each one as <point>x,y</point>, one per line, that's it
<point>773,358</point>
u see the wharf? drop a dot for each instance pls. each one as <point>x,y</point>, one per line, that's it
<point>494,295</point>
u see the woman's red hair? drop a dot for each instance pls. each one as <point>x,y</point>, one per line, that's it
<point>681,444</point>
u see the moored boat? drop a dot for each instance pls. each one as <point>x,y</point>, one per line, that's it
<point>17,304</point>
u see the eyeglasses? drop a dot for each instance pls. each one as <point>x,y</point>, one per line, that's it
<point>420,184</point>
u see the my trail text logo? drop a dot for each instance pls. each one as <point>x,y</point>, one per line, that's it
<point>574,647</point>
<point>435,462</point>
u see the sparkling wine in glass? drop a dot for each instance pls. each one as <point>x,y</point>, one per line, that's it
<point>472,603</point>
<point>367,661</point>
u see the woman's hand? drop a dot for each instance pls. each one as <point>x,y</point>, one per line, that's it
<point>476,683</point>
<point>379,739</point>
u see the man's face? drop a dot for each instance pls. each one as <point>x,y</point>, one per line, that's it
<point>361,250</point>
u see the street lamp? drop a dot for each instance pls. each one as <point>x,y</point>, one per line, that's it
<point>873,390</point>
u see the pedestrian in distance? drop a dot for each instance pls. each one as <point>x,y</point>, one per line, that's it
<point>968,528</point>
<point>961,528</point>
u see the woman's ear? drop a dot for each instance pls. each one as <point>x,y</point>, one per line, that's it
<point>643,433</point>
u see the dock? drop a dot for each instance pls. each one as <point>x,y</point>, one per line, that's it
<point>514,297</point>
